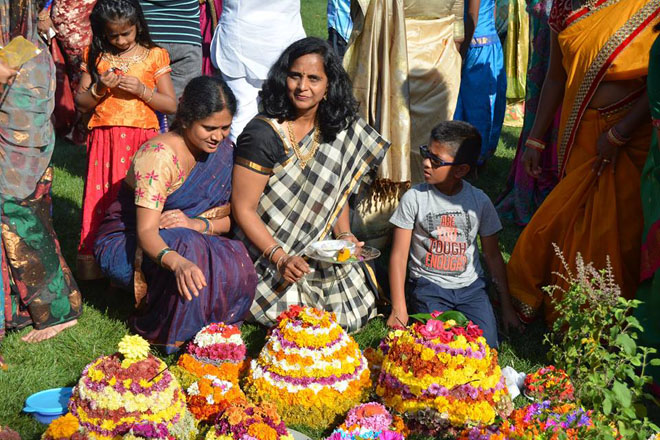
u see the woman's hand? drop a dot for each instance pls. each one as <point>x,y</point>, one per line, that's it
<point>531,159</point>
<point>107,80</point>
<point>607,154</point>
<point>7,74</point>
<point>189,277</point>
<point>44,26</point>
<point>132,85</point>
<point>293,268</point>
<point>176,219</point>
<point>397,319</point>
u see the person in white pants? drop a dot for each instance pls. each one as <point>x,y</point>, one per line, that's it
<point>249,38</point>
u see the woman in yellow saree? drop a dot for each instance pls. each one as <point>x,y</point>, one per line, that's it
<point>599,62</point>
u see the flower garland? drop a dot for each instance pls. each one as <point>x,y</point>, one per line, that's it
<point>246,421</point>
<point>539,421</point>
<point>370,421</point>
<point>549,383</point>
<point>309,368</point>
<point>441,374</point>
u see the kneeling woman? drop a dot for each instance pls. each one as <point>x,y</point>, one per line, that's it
<point>296,166</point>
<point>163,234</point>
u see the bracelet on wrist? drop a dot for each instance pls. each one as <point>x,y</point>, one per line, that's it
<point>161,254</point>
<point>284,257</point>
<point>615,138</point>
<point>268,249</point>
<point>207,224</point>
<point>93,90</point>
<point>151,96</point>
<point>344,234</point>
<point>535,144</point>
<point>272,252</point>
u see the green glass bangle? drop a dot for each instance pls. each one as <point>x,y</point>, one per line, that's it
<point>207,224</point>
<point>161,254</point>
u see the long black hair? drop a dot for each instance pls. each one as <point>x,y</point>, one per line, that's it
<point>203,96</point>
<point>335,112</point>
<point>114,10</point>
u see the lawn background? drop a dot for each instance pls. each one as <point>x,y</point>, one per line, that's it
<point>59,361</point>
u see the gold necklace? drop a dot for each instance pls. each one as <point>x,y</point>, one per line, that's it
<point>304,158</point>
<point>125,63</point>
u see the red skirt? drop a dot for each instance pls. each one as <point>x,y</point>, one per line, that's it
<point>110,151</point>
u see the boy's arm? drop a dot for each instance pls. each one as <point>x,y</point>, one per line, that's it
<point>397,274</point>
<point>497,269</point>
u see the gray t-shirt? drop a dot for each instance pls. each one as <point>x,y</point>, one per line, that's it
<point>443,248</point>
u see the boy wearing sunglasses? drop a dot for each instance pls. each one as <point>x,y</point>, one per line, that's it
<point>436,224</point>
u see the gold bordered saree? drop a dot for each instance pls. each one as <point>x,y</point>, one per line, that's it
<point>299,207</point>
<point>596,216</point>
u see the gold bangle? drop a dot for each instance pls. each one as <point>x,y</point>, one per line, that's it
<point>147,101</point>
<point>344,234</point>
<point>94,92</point>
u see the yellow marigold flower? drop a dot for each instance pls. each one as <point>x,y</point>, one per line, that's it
<point>262,431</point>
<point>134,348</point>
<point>63,427</point>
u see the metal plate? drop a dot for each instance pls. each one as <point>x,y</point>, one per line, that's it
<point>366,253</point>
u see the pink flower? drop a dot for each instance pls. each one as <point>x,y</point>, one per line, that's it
<point>138,176</point>
<point>158,199</point>
<point>151,176</point>
<point>158,147</point>
<point>139,193</point>
<point>435,313</point>
<point>432,329</point>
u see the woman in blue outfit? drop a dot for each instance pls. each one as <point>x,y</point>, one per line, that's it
<point>164,234</point>
<point>482,98</point>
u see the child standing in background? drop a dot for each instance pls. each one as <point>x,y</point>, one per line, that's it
<point>126,77</point>
<point>437,223</point>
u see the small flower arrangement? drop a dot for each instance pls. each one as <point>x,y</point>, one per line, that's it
<point>117,394</point>
<point>246,421</point>
<point>218,343</point>
<point>370,421</point>
<point>7,433</point>
<point>210,395</point>
<point>441,374</point>
<point>64,428</point>
<point>539,421</point>
<point>549,383</point>
<point>310,369</point>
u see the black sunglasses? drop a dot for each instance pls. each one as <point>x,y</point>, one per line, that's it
<point>436,162</point>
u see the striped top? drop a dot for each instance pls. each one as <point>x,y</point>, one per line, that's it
<point>173,21</point>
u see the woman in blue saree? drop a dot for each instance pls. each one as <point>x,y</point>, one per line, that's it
<point>162,236</point>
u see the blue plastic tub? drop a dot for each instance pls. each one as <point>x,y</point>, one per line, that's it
<point>48,405</point>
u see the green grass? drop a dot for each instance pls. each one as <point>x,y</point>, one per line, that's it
<point>59,361</point>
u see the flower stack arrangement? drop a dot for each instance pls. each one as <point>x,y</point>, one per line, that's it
<point>539,421</point>
<point>442,375</point>
<point>211,370</point>
<point>370,421</point>
<point>310,368</point>
<point>121,392</point>
<point>7,433</point>
<point>549,383</point>
<point>243,421</point>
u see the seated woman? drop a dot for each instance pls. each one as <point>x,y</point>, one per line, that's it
<point>296,166</point>
<point>172,208</point>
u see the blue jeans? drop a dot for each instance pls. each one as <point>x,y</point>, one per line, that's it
<point>472,301</point>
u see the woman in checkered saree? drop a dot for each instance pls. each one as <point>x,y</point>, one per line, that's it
<point>296,166</point>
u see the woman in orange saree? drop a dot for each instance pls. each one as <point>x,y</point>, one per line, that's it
<point>599,62</point>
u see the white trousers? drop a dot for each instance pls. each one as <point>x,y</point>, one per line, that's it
<point>246,91</point>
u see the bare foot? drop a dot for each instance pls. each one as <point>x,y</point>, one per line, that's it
<point>47,333</point>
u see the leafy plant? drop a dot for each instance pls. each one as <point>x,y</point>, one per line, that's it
<point>594,339</point>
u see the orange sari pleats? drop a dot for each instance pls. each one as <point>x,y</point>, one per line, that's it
<point>599,217</point>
